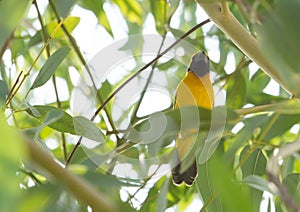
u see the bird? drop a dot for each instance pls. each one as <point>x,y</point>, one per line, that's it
<point>194,89</point>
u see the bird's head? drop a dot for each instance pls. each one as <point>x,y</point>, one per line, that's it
<point>200,64</point>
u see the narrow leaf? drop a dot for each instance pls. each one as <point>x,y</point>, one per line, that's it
<point>159,8</point>
<point>64,124</point>
<point>61,121</point>
<point>50,67</point>
<point>3,91</point>
<point>87,128</point>
<point>255,163</point>
<point>257,182</point>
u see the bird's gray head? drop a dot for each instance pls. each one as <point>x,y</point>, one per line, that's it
<point>200,64</point>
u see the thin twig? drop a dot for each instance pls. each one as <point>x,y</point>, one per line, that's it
<point>81,58</point>
<point>45,37</point>
<point>149,64</point>
<point>9,98</point>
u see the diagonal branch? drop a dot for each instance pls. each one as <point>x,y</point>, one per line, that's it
<point>79,187</point>
<point>220,14</point>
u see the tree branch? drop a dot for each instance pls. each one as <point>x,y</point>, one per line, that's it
<point>220,14</point>
<point>79,187</point>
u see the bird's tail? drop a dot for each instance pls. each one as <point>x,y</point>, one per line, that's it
<point>188,176</point>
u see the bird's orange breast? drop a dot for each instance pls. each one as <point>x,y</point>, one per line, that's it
<point>193,90</point>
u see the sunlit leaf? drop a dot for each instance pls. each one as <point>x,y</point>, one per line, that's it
<point>159,10</point>
<point>70,23</point>
<point>50,67</point>
<point>131,10</point>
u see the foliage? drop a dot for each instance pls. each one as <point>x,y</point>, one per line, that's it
<point>250,158</point>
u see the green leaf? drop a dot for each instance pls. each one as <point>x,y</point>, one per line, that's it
<point>61,121</point>
<point>257,182</point>
<point>50,67</point>
<point>161,199</point>
<point>34,40</point>
<point>281,49</point>
<point>88,129</point>
<point>155,198</point>
<point>290,106</point>
<point>262,98</point>
<point>97,8</point>
<point>245,134</point>
<point>160,129</point>
<point>217,186</point>
<point>53,116</point>
<point>70,23</point>
<point>11,152</point>
<point>166,65</point>
<point>255,164</point>
<point>209,196</point>
<point>159,9</point>
<point>283,123</point>
<point>64,7</point>
<point>11,13</point>
<point>47,194</point>
<point>236,91</point>
<point>258,82</point>
<point>172,9</point>
<point>3,92</point>
<point>132,10</point>
<point>291,182</point>
<point>64,124</point>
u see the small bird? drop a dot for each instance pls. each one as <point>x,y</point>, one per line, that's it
<point>195,89</point>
